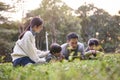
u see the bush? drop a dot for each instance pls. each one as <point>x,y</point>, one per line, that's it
<point>5,50</point>
<point>104,69</point>
<point>8,38</point>
<point>108,47</point>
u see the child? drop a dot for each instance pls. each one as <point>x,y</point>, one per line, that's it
<point>94,50</point>
<point>25,51</point>
<point>55,53</point>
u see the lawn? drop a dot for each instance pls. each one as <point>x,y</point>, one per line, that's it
<point>106,68</point>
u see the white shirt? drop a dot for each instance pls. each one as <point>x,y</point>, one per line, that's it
<point>26,47</point>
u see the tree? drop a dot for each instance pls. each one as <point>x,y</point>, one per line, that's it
<point>95,20</point>
<point>8,33</point>
<point>91,20</point>
<point>58,19</point>
<point>3,8</point>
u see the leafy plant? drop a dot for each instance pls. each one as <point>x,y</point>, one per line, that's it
<point>106,68</point>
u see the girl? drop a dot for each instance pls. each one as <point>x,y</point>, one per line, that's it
<point>25,50</point>
<point>94,49</point>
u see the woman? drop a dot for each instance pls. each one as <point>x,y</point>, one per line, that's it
<point>25,51</point>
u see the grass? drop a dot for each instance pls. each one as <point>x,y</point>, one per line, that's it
<point>106,68</point>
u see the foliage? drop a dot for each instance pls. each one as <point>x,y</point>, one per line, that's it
<point>58,19</point>
<point>4,8</point>
<point>104,69</point>
<point>8,33</point>
<point>95,20</point>
<point>8,36</point>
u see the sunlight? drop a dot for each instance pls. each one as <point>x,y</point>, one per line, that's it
<point>22,8</point>
<point>17,16</point>
<point>25,7</point>
<point>110,6</point>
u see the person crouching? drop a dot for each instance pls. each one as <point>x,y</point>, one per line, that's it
<point>55,53</point>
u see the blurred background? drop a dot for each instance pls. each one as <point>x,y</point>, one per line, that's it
<point>88,18</point>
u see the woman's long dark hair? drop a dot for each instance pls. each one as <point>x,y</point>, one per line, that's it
<point>34,22</point>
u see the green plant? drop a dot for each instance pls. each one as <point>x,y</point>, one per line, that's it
<point>106,68</point>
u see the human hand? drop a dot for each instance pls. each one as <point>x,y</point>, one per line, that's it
<point>93,52</point>
<point>46,53</point>
<point>61,57</point>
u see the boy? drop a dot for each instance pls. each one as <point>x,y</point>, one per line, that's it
<point>55,53</point>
